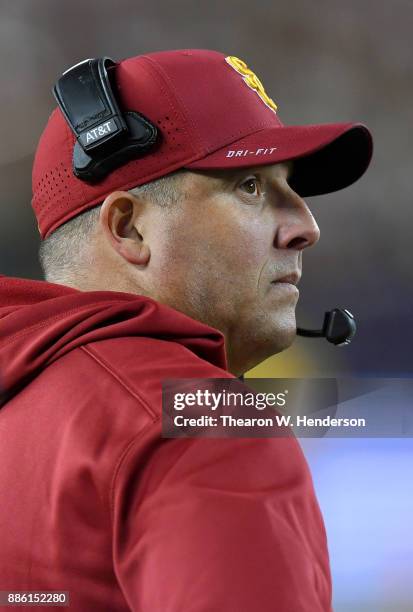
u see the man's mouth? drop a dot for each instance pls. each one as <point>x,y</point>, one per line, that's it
<point>292,279</point>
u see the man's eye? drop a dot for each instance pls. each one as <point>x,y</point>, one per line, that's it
<point>250,186</point>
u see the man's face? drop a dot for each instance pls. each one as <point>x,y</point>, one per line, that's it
<point>230,255</point>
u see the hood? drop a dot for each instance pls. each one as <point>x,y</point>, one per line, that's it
<point>40,322</point>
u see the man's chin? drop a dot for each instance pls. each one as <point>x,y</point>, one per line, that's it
<point>258,341</point>
<point>284,331</point>
<point>284,338</point>
<point>276,338</point>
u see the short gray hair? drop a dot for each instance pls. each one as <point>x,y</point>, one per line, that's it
<point>64,254</point>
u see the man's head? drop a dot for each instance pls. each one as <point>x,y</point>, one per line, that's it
<point>223,247</point>
<point>217,218</point>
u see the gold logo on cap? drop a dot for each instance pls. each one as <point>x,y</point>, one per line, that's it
<point>251,80</point>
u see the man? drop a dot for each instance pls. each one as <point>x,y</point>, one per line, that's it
<point>172,255</point>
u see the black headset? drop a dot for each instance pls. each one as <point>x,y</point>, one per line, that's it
<point>106,138</point>
<point>339,327</point>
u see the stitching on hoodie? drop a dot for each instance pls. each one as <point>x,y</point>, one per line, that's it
<point>87,349</point>
<point>120,462</point>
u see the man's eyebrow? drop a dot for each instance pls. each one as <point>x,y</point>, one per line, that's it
<point>228,176</point>
<point>231,174</point>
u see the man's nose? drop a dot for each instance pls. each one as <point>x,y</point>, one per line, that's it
<point>297,228</point>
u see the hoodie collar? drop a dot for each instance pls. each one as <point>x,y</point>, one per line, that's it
<point>41,321</point>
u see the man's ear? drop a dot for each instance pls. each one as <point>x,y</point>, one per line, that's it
<point>120,220</point>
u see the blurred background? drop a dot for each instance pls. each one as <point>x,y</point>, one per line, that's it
<point>322,61</point>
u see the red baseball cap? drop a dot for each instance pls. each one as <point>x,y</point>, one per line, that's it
<point>212,112</point>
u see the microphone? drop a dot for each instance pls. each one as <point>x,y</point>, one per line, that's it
<point>339,327</point>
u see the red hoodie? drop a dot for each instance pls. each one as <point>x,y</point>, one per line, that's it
<point>95,502</point>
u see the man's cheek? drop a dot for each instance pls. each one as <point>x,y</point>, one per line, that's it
<point>249,257</point>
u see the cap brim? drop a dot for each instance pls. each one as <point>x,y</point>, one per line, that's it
<point>328,157</point>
